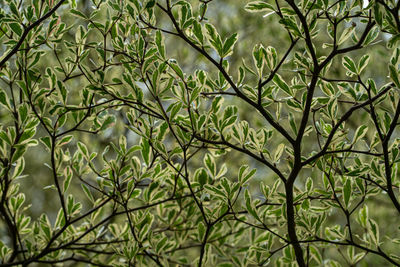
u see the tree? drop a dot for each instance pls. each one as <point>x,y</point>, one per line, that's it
<point>228,156</point>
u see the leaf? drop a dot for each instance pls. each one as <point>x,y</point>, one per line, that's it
<point>258,58</point>
<point>19,168</point>
<point>309,184</point>
<point>4,99</point>
<point>372,35</point>
<point>201,176</point>
<point>45,226</point>
<point>394,75</point>
<point>245,174</point>
<point>271,57</point>
<point>60,220</point>
<point>17,202</point>
<point>210,164</point>
<point>258,6</point>
<point>23,112</point>
<point>249,205</point>
<point>14,8</point>
<point>46,141</point>
<point>82,147</point>
<point>214,38</point>
<point>19,152</point>
<point>201,230</point>
<point>176,68</point>
<point>175,108</point>
<point>88,193</point>
<point>145,150</point>
<point>108,122</point>
<point>347,191</point>
<point>27,135</point>
<point>360,133</point>
<point>290,24</point>
<point>160,44</point>
<point>346,34</point>
<point>316,255</point>
<point>161,244</point>
<point>65,140</point>
<point>349,64</point>
<point>150,4</point>
<point>363,63</point>
<point>4,136</point>
<point>77,13</point>
<point>363,216</point>
<point>229,44</point>
<point>15,27</point>
<point>215,192</point>
<point>373,230</point>
<point>282,84</point>
<point>162,131</point>
<point>198,31</point>
<point>67,179</point>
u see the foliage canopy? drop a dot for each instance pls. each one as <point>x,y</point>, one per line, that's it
<point>155,133</point>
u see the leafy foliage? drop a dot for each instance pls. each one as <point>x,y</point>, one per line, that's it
<point>156,163</point>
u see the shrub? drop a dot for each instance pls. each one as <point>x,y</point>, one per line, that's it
<point>236,153</point>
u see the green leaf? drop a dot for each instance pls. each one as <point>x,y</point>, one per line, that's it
<point>245,175</point>
<point>291,25</point>
<point>363,63</point>
<point>201,176</point>
<point>67,178</point>
<point>278,152</point>
<point>347,191</point>
<point>46,141</point>
<point>19,152</point>
<point>23,113</point>
<point>201,229</point>
<point>77,13</point>
<point>88,193</point>
<point>17,202</point>
<point>349,64</point>
<point>15,27</point>
<point>45,226</point>
<point>373,230</point>
<point>258,58</point>
<point>309,184</point>
<point>360,133</point>
<point>363,216</point>
<point>108,122</point>
<point>229,44</point>
<point>160,44</point>
<point>271,57</point>
<point>4,99</point>
<point>214,39</point>
<point>5,137</point>
<point>145,150</point>
<point>82,147</point>
<point>316,255</point>
<point>60,220</point>
<point>346,34</point>
<point>198,31</point>
<point>150,4</point>
<point>210,164</point>
<point>249,205</point>
<point>258,6</point>
<point>176,68</point>
<point>14,9</point>
<point>27,135</point>
<point>394,75</point>
<point>65,140</point>
<point>372,35</point>
<point>282,84</point>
